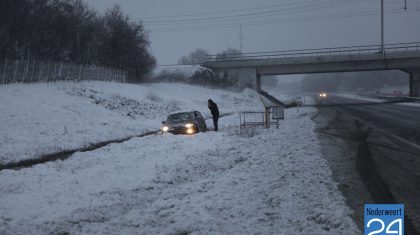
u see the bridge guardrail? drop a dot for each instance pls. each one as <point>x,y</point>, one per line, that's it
<point>334,51</point>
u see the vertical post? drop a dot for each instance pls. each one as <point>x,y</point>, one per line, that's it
<point>97,73</point>
<point>414,84</point>
<point>258,83</point>
<point>27,68</point>
<point>33,71</point>
<point>382,27</point>
<point>84,72</point>
<point>242,124</point>
<point>56,71</point>
<point>59,75</point>
<point>40,72</point>
<point>48,71</point>
<point>16,67</point>
<point>80,72</point>
<point>240,38</point>
<point>267,118</point>
<point>75,72</point>
<point>68,66</point>
<point>4,71</point>
<point>24,69</point>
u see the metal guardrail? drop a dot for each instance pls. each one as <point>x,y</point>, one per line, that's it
<point>258,119</point>
<point>334,51</point>
<point>254,119</point>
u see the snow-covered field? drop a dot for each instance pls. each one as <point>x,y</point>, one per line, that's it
<point>261,182</point>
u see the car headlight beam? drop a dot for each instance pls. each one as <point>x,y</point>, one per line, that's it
<point>190,131</point>
<point>165,128</point>
<point>189,125</point>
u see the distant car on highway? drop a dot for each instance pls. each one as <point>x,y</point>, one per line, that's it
<point>184,123</point>
<point>323,95</point>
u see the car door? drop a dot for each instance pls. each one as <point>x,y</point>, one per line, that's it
<point>200,121</point>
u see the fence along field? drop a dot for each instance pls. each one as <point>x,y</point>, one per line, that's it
<point>28,71</point>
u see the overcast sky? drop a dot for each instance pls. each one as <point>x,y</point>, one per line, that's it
<point>267,24</point>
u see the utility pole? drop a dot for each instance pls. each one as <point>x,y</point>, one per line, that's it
<point>382,27</point>
<point>240,38</point>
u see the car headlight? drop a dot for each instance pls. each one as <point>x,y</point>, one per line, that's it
<point>165,128</point>
<point>189,125</point>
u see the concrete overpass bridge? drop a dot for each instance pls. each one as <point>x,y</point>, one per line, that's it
<point>249,67</point>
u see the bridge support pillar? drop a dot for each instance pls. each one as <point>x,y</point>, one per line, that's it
<point>415,84</point>
<point>258,83</point>
<point>247,77</point>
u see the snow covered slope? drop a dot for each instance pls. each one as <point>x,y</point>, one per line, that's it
<point>261,182</point>
<point>44,118</point>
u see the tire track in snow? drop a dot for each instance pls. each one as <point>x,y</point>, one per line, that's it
<point>66,154</point>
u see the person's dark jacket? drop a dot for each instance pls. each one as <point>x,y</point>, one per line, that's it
<point>213,108</point>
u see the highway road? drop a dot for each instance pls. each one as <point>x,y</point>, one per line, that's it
<point>396,118</point>
<point>381,161</point>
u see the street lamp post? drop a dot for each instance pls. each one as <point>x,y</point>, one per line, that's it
<point>382,26</point>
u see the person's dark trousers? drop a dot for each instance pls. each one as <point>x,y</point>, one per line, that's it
<point>215,120</point>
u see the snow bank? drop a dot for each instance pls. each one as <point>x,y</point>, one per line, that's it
<point>265,182</point>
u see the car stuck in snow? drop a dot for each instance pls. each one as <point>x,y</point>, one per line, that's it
<point>184,123</point>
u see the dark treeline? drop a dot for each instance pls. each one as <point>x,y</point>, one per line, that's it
<point>353,81</point>
<point>68,30</point>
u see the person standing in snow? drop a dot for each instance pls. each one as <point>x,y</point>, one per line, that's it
<point>215,113</point>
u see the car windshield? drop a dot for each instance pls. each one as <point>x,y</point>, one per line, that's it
<point>180,117</point>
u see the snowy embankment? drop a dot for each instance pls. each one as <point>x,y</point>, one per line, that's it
<point>262,182</point>
<point>41,119</point>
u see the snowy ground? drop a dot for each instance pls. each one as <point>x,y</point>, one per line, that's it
<point>257,182</point>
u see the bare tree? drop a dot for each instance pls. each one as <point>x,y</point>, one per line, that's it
<point>195,57</point>
<point>67,30</point>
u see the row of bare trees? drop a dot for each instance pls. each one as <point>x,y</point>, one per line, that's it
<point>69,31</point>
<point>200,55</point>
